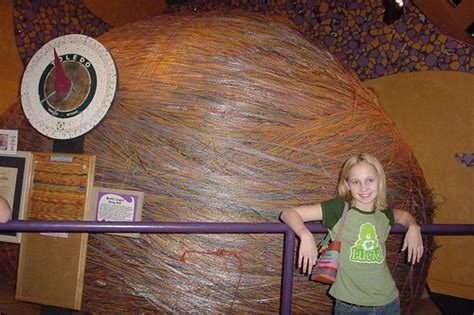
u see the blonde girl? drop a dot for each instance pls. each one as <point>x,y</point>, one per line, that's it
<point>364,284</point>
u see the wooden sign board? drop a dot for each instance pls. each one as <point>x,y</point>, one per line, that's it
<point>51,265</point>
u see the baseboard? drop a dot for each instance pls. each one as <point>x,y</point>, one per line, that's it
<point>450,288</point>
<point>452,305</point>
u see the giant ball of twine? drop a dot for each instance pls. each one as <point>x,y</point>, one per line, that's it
<point>232,117</point>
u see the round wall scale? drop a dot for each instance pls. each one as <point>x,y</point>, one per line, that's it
<point>68,86</point>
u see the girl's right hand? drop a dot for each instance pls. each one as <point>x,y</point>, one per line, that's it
<point>308,253</point>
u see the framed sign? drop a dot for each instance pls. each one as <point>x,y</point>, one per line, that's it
<point>51,266</point>
<point>8,141</point>
<point>15,178</point>
<point>117,205</point>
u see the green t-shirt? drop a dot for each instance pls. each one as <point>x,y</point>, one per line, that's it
<point>363,277</point>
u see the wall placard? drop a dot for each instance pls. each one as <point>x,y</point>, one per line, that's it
<point>8,141</point>
<point>117,205</point>
<point>51,265</point>
<point>15,177</point>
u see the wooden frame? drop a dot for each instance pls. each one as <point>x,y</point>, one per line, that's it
<point>15,178</point>
<point>50,266</point>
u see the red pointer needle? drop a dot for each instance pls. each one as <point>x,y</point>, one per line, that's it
<point>62,85</point>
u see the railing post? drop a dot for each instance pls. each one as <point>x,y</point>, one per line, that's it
<point>287,278</point>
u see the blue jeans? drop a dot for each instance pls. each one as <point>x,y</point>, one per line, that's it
<point>342,308</point>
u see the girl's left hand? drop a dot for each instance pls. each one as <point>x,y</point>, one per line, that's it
<point>414,243</point>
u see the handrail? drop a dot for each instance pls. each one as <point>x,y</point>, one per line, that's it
<point>215,227</point>
<point>198,227</point>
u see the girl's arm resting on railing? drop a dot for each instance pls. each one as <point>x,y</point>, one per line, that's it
<point>413,241</point>
<point>295,218</point>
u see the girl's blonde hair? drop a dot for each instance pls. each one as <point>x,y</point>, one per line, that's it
<point>343,189</point>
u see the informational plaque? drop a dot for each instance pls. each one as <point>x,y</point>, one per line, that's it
<point>51,265</point>
<point>117,205</point>
<point>15,177</point>
<point>8,141</point>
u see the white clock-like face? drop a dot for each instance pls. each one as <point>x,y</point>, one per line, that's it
<point>68,86</point>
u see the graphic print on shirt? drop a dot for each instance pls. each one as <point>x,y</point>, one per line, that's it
<point>367,248</point>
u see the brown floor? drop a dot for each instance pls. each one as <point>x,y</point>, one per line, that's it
<point>9,306</point>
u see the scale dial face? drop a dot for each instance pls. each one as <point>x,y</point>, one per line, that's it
<point>68,86</point>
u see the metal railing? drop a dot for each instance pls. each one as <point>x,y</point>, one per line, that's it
<point>216,228</point>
